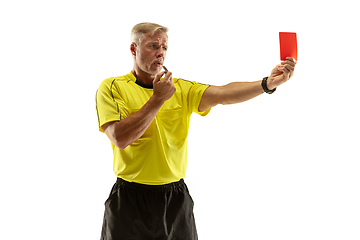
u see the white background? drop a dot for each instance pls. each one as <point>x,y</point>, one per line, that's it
<point>282,166</point>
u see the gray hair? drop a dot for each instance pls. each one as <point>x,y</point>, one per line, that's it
<point>140,29</point>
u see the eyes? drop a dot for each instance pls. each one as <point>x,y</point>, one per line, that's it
<point>157,46</point>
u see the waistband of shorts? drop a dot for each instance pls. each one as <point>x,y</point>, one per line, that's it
<point>146,187</point>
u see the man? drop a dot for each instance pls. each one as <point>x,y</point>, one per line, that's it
<point>146,115</point>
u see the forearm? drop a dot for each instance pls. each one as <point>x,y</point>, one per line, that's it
<point>237,92</point>
<point>130,129</point>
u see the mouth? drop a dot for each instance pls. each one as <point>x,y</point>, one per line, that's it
<point>158,62</point>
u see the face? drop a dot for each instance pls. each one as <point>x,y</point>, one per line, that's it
<point>151,53</point>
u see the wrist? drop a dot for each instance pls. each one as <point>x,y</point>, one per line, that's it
<point>267,87</point>
<point>270,86</point>
<point>156,101</point>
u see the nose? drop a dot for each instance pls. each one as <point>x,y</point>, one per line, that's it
<point>160,53</point>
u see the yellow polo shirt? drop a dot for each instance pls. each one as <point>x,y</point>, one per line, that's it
<point>160,155</point>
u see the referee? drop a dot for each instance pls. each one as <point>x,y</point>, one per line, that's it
<point>146,115</point>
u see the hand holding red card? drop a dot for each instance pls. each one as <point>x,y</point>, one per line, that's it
<point>288,45</point>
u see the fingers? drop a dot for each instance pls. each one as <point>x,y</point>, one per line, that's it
<point>167,77</point>
<point>291,59</point>
<point>164,88</point>
<point>288,66</point>
<point>287,72</point>
<point>160,74</point>
<point>282,72</point>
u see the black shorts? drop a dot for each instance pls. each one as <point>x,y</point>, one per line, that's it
<point>136,211</point>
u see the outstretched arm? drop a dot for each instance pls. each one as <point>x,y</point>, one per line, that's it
<point>237,92</point>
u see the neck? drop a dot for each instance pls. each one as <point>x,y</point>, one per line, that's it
<point>143,76</point>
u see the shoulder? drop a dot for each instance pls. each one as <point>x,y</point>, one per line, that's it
<point>113,82</point>
<point>188,82</point>
<point>184,81</point>
<point>184,84</point>
<point>190,86</point>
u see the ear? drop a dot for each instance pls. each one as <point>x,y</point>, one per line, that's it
<point>133,47</point>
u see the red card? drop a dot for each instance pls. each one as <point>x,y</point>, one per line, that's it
<point>288,45</point>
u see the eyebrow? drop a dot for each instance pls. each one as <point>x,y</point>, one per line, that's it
<point>156,42</point>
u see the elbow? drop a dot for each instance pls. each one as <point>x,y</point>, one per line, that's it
<point>120,142</point>
<point>120,145</point>
<point>117,136</point>
<point>121,136</point>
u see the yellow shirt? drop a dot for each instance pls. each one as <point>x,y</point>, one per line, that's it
<point>160,155</point>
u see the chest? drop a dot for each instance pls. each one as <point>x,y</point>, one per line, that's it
<point>135,100</point>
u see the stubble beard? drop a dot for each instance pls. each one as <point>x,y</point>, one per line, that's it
<point>148,66</point>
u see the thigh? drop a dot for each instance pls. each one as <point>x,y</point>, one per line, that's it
<point>178,222</point>
<point>124,217</point>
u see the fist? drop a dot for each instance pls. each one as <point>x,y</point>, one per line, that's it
<point>281,73</point>
<point>163,89</point>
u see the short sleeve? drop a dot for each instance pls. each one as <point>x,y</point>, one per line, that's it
<point>195,94</point>
<point>109,104</point>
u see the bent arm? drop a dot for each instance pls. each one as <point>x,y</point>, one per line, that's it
<point>128,130</point>
<point>123,133</point>
<point>235,92</point>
